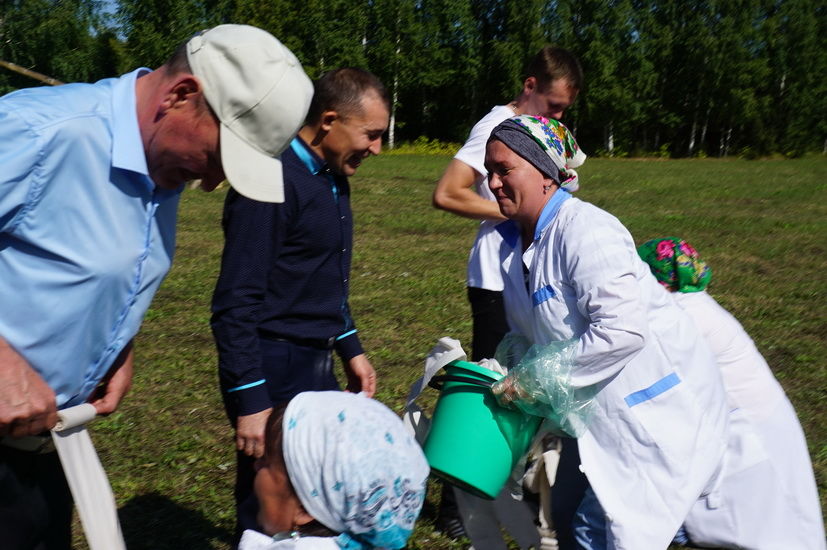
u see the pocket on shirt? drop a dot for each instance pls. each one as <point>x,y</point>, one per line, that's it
<point>556,313</point>
<point>670,416</point>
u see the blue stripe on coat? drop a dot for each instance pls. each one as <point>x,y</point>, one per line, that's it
<point>665,383</point>
<point>542,294</point>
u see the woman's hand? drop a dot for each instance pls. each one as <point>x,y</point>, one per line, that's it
<point>508,391</point>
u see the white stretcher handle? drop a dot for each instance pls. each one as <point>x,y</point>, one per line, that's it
<point>87,480</point>
<point>74,417</point>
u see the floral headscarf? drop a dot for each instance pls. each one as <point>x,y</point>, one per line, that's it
<point>354,468</point>
<point>675,264</point>
<point>558,152</point>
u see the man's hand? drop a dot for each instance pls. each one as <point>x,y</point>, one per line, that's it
<point>107,396</point>
<point>27,403</point>
<point>249,433</point>
<point>360,375</point>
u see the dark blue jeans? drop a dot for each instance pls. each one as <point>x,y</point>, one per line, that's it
<point>35,502</point>
<point>289,369</point>
<point>489,324</point>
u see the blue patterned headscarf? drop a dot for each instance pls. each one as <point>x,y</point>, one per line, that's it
<point>354,468</point>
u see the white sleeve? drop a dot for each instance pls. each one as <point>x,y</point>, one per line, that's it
<point>600,261</point>
<point>472,152</point>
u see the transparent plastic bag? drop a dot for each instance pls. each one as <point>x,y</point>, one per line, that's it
<point>539,383</point>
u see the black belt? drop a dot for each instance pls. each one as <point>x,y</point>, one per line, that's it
<point>318,343</point>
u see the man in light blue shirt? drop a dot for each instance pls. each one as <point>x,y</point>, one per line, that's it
<point>88,197</point>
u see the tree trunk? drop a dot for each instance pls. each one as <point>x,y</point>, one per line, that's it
<point>610,138</point>
<point>727,140</point>
<point>392,123</point>
<point>395,95</point>
<point>691,148</point>
<point>704,127</point>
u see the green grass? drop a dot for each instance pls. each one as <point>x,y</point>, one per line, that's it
<point>759,224</point>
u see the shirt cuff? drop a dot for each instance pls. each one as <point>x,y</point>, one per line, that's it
<point>348,345</point>
<point>249,398</point>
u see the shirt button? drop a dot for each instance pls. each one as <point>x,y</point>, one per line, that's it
<point>342,217</point>
<point>344,250</point>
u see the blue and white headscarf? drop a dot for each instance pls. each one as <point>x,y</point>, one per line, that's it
<point>354,468</point>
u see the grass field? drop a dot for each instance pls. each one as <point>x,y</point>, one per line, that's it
<point>761,225</point>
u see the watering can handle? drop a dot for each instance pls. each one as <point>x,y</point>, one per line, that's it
<point>437,381</point>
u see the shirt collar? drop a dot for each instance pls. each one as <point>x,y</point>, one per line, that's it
<point>509,230</point>
<point>550,211</point>
<point>127,147</point>
<point>308,157</point>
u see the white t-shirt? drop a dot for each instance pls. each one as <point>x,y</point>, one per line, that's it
<point>484,260</point>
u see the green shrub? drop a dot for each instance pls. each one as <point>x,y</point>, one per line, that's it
<point>424,146</point>
<point>748,153</point>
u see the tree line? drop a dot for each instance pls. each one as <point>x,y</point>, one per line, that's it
<point>669,77</point>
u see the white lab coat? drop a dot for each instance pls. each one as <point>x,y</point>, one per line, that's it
<point>767,498</point>
<point>658,434</point>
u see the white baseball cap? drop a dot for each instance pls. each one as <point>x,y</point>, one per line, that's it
<point>260,94</point>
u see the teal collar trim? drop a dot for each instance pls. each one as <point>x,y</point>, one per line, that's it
<point>509,231</point>
<point>550,211</point>
<point>309,159</point>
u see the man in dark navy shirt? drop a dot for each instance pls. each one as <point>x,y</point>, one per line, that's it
<point>281,302</point>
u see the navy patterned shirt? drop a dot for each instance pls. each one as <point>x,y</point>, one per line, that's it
<point>284,274</point>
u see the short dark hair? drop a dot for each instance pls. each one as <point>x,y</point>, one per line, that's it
<point>178,62</point>
<point>552,63</point>
<point>342,90</point>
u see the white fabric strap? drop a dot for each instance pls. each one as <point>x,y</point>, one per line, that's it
<point>445,351</point>
<point>87,479</point>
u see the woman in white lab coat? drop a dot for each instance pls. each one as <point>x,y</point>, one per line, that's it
<point>655,439</point>
<point>767,497</point>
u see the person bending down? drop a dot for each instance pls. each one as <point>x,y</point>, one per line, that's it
<point>339,471</point>
<point>767,497</point>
